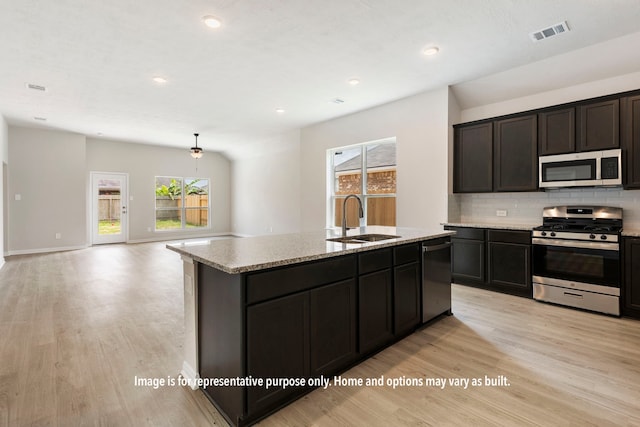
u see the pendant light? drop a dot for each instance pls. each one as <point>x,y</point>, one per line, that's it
<point>196,152</point>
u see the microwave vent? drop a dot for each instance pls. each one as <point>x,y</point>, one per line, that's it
<point>551,31</point>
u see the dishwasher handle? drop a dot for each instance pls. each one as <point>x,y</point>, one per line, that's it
<point>436,247</point>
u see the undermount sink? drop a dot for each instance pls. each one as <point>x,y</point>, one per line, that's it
<point>363,238</point>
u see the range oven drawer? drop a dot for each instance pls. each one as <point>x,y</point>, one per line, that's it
<point>602,303</point>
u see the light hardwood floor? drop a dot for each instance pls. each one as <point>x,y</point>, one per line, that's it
<point>77,327</point>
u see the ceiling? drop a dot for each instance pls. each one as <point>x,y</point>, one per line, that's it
<point>97,60</point>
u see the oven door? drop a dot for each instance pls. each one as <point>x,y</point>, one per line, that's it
<point>575,261</point>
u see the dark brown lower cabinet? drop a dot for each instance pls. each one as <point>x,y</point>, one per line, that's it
<point>509,259</point>
<point>406,297</point>
<point>333,327</point>
<point>494,259</point>
<point>468,263</point>
<point>631,286</point>
<point>375,311</point>
<point>277,346</point>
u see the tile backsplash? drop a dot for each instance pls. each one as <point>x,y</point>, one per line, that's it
<point>526,208</point>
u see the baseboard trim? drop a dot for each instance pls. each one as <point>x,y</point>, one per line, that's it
<point>190,375</point>
<point>45,250</point>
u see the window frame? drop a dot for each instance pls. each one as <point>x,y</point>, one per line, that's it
<point>331,182</point>
<point>183,208</point>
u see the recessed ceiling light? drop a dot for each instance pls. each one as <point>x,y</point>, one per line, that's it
<point>40,119</point>
<point>354,82</point>
<point>211,21</point>
<point>431,50</point>
<point>280,110</point>
<point>338,101</point>
<point>159,80</point>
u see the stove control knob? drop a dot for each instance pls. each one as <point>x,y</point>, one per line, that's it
<point>544,233</point>
<point>603,237</point>
<point>553,234</point>
<point>592,236</point>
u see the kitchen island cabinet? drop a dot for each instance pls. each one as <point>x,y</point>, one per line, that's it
<point>294,307</point>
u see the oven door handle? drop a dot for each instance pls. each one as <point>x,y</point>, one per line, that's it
<point>576,244</point>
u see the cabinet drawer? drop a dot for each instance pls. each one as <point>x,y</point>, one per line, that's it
<point>375,260</point>
<point>467,233</point>
<point>287,280</point>
<point>406,254</point>
<point>509,236</point>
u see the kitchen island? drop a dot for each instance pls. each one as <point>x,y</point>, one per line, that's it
<point>290,311</point>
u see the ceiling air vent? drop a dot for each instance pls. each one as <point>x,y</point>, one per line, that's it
<point>553,30</point>
<point>36,87</point>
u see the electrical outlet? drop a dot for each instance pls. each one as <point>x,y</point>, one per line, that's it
<point>58,236</point>
<point>149,229</point>
<point>501,212</point>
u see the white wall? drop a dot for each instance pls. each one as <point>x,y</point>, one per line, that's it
<point>420,125</point>
<point>266,188</point>
<point>47,169</point>
<point>593,89</point>
<point>527,207</point>
<point>50,171</point>
<point>143,163</point>
<point>4,157</point>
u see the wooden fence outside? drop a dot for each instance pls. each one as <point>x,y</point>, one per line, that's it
<point>196,209</point>
<point>109,207</point>
<point>380,211</point>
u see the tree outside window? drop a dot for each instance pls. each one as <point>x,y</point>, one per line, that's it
<point>181,203</point>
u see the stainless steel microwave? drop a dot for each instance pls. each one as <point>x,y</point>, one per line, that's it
<point>588,169</point>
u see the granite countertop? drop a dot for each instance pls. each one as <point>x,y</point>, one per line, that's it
<point>247,254</point>
<point>631,232</point>
<point>504,226</point>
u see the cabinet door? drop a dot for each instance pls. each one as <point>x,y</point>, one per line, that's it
<point>473,159</point>
<point>557,132</point>
<point>468,260</point>
<point>375,310</point>
<point>277,346</point>
<point>599,126</point>
<point>630,127</point>
<point>515,151</point>
<point>509,267</point>
<point>406,297</point>
<point>333,327</point>
<point>631,286</point>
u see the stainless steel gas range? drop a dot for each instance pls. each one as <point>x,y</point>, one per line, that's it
<point>576,257</point>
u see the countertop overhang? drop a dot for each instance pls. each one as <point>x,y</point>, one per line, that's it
<point>246,254</point>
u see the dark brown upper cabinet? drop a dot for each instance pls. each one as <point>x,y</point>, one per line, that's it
<point>473,159</point>
<point>515,153</point>
<point>557,132</point>
<point>599,125</point>
<point>630,136</point>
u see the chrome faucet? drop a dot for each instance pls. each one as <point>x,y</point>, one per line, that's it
<point>344,212</point>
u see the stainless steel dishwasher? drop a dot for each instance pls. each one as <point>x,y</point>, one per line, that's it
<point>436,278</point>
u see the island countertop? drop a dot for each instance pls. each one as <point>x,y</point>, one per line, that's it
<point>241,255</point>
